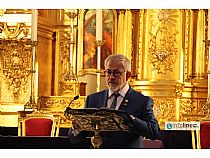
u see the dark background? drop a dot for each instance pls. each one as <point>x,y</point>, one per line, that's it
<point>9,140</point>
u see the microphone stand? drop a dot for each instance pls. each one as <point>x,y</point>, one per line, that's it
<point>68,107</point>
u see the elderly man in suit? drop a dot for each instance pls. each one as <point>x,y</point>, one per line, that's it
<point>120,96</point>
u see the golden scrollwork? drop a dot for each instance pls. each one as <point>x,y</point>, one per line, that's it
<point>205,107</point>
<point>192,117</point>
<point>58,103</point>
<point>164,110</point>
<point>61,103</point>
<point>179,89</point>
<point>69,88</point>
<point>187,106</point>
<point>194,106</point>
<point>16,65</point>
<point>11,32</point>
<point>163,49</point>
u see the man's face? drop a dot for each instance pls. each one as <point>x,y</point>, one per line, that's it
<point>116,77</point>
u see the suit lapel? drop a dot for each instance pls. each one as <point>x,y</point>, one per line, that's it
<point>104,97</point>
<point>126,101</point>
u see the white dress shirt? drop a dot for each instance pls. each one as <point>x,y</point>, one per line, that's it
<point>122,93</point>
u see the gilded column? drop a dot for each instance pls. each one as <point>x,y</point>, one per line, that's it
<point>200,45</point>
<point>80,40</point>
<point>189,38</point>
<point>141,37</point>
<point>124,33</point>
<point>120,30</point>
<point>128,34</point>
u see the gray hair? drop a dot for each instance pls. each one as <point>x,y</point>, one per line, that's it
<point>119,58</point>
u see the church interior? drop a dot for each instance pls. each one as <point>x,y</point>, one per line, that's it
<point>49,56</point>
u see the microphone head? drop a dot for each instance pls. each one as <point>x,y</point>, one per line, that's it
<point>76,97</point>
<point>68,109</point>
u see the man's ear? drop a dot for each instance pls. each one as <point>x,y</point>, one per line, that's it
<point>128,75</point>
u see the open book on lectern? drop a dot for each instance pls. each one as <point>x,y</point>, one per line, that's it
<point>105,119</point>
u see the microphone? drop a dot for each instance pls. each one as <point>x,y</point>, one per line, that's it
<point>68,107</point>
<point>75,98</point>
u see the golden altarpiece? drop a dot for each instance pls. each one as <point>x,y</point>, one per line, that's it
<point>168,50</point>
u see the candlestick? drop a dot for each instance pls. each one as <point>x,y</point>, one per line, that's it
<point>98,24</point>
<point>72,30</point>
<point>34,22</point>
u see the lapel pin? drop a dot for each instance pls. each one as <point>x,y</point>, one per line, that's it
<point>125,102</point>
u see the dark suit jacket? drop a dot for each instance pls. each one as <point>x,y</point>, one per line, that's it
<point>136,104</point>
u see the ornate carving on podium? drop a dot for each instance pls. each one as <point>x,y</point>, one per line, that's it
<point>99,120</point>
<point>162,48</point>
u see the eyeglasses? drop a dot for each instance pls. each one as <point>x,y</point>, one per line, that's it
<point>115,73</point>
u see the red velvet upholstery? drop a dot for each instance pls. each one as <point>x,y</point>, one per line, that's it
<point>205,135</point>
<point>38,127</point>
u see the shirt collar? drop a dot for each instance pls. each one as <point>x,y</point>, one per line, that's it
<point>122,91</point>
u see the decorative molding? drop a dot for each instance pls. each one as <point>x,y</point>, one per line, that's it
<point>12,32</point>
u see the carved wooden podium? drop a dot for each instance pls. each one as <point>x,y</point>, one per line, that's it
<point>97,120</point>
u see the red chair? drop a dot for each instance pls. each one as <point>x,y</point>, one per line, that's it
<point>205,135</point>
<point>152,144</point>
<point>39,125</point>
<point>201,139</point>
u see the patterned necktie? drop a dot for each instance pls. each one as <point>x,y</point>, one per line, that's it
<point>114,102</point>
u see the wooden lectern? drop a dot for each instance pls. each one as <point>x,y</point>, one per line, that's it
<point>98,120</point>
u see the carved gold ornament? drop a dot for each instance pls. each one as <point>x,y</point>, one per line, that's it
<point>164,110</point>
<point>11,32</point>
<point>16,65</point>
<point>163,49</point>
<point>67,73</point>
